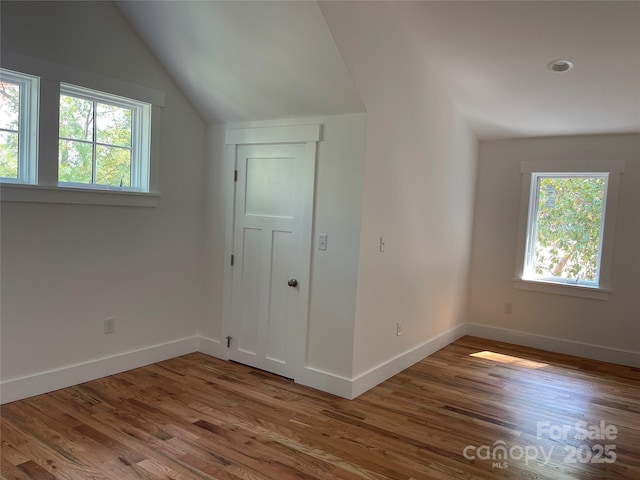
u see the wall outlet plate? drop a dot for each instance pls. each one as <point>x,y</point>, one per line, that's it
<point>109,325</point>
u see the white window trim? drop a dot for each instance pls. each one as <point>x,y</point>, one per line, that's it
<point>47,189</point>
<point>531,225</point>
<point>28,125</point>
<point>614,168</point>
<point>140,136</point>
<point>12,192</point>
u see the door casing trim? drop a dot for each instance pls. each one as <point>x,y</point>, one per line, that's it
<point>309,135</point>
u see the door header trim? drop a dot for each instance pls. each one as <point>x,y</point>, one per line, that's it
<point>263,135</point>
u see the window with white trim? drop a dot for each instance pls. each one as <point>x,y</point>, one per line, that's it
<point>18,126</point>
<point>567,226</point>
<point>101,148</point>
<point>103,140</point>
<point>564,232</point>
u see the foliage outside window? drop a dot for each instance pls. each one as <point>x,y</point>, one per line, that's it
<point>9,128</point>
<point>18,132</point>
<point>61,143</point>
<point>565,228</point>
<point>103,140</point>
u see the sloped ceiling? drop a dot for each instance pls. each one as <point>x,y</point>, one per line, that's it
<point>248,60</point>
<point>259,60</point>
<point>493,57</point>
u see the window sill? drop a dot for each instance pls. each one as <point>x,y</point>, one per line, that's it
<point>562,289</point>
<point>12,192</point>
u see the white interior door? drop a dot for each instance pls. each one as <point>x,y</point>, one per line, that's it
<point>274,183</point>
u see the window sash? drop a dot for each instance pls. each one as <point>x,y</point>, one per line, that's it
<point>27,131</point>
<point>140,137</point>
<point>532,229</point>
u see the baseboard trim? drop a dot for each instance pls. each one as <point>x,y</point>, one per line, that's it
<point>553,344</point>
<point>386,370</point>
<point>48,381</point>
<point>325,381</point>
<point>213,347</point>
<point>352,388</point>
<point>36,384</point>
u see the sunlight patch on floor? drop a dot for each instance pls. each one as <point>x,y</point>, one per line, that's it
<point>499,357</point>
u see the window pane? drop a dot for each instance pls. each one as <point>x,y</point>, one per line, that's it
<point>9,105</point>
<point>74,161</point>
<point>113,166</point>
<point>113,125</point>
<point>568,225</point>
<point>117,132</point>
<point>8,155</point>
<point>76,118</point>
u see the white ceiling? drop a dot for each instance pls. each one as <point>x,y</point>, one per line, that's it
<point>242,60</point>
<point>260,60</point>
<point>493,56</point>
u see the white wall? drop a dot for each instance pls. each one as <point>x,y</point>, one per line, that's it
<point>418,190</point>
<point>612,324</point>
<point>214,231</point>
<point>338,197</point>
<point>67,267</point>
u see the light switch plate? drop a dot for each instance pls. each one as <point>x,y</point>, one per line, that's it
<point>322,241</point>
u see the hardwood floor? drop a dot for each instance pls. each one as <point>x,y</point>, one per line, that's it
<point>197,417</point>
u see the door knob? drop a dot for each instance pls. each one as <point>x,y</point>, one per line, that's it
<point>293,282</point>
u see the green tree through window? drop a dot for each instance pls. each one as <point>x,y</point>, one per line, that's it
<point>9,128</point>
<point>568,227</point>
<point>95,144</point>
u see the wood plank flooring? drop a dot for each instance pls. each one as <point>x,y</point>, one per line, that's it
<point>197,417</point>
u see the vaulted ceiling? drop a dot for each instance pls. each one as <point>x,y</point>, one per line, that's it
<point>261,60</point>
<point>248,60</point>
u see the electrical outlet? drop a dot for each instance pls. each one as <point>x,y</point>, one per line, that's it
<point>508,308</point>
<point>109,325</point>
<point>399,329</point>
